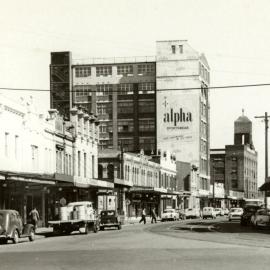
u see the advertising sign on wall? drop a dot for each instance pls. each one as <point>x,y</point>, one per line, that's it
<point>178,123</point>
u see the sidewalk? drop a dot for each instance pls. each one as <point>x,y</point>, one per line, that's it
<point>43,231</point>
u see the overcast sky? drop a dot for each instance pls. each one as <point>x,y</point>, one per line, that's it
<point>233,34</point>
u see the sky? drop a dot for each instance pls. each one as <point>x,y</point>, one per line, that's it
<point>233,34</point>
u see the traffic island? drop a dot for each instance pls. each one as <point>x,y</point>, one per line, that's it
<point>197,228</point>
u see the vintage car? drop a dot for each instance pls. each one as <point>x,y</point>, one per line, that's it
<point>208,212</point>
<point>249,211</point>
<point>261,219</point>
<point>169,214</point>
<point>12,227</point>
<point>235,213</point>
<point>108,219</point>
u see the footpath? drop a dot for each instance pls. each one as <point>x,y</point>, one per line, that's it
<point>45,231</point>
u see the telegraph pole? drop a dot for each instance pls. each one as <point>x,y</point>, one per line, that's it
<point>265,119</point>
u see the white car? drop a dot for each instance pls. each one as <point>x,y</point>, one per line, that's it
<point>261,218</point>
<point>219,211</point>
<point>235,213</point>
<point>208,212</point>
<point>169,214</point>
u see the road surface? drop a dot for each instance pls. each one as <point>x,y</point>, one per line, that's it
<point>159,246</point>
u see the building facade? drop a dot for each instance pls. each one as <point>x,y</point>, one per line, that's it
<point>235,167</point>
<point>140,181</point>
<point>183,102</point>
<point>46,162</point>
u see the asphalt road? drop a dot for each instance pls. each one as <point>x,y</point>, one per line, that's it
<point>171,245</point>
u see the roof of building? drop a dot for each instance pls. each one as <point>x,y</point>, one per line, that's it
<point>243,118</point>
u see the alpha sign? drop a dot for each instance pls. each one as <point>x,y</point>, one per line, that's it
<point>178,124</point>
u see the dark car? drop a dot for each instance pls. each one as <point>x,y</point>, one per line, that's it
<point>12,227</point>
<point>249,211</point>
<point>108,219</point>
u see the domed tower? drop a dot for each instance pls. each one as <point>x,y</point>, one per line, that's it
<point>243,131</point>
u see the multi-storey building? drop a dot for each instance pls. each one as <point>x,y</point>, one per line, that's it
<point>121,92</point>
<point>183,107</point>
<point>140,180</point>
<point>146,103</point>
<point>236,166</point>
<point>46,162</point>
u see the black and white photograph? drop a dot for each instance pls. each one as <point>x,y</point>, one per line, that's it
<point>134,135</point>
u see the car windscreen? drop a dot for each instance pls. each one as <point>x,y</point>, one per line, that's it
<point>168,211</point>
<point>1,218</point>
<point>107,213</point>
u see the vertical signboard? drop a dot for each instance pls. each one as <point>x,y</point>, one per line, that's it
<point>178,122</point>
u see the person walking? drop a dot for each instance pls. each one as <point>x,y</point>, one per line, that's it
<point>143,216</point>
<point>34,217</point>
<point>153,216</point>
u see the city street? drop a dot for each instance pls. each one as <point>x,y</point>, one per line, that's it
<point>192,244</point>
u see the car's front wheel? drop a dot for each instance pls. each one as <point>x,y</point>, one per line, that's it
<point>15,238</point>
<point>32,235</point>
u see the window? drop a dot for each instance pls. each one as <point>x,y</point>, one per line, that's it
<point>104,89</point>
<point>146,106</point>
<point>146,69</point>
<point>146,88</point>
<point>127,143</point>
<point>125,125</point>
<point>146,125</point>
<point>16,146</point>
<point>147,143</point>
<point>180,48</point>
<point>34,153</point>
<point>103,128</point>
<point>103,71</point>
<point>124,107</point>
<point>82,90</point>
<point>173,49</point>
<point>79,163</point>
<point>103,109</point>
<point>82,71</point>
<point>84,164</point>
<point>93,166</point>
<point>125,89</point>
<point>6,144</point>
<point>124,69</point>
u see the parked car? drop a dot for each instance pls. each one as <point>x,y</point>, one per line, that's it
<point>169,214</point>
<point>208,212</point>
<point>192,213</point>
<point>261,218</point>
<point>12,227</point>
<point>217,211</point>
<point>235,213</point>
<point>249,211</point>
<point>108,219</point>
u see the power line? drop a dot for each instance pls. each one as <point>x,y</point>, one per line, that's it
<point>158,90</point>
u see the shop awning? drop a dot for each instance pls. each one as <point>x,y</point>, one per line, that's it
<point>265,187</point>
<point>28,177</point>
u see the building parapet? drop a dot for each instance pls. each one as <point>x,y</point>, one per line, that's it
<point>113,60</point>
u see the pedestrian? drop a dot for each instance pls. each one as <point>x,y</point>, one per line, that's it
<point>153,216</point>
<point>34,217</point>
<point>143,216</point>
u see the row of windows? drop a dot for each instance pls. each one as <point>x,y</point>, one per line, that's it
<point>106,89</point>
<point>144,69</point>
<point>82,71</point>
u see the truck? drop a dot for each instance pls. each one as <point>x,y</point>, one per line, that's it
<point>76,216</point>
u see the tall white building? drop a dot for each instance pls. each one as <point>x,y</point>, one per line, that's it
<point>182,81</point>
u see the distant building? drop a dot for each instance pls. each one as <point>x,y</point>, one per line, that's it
<point>236,165</point>
<point>140,181</point>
